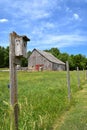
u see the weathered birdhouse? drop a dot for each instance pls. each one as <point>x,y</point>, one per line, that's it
<point>21,46</point>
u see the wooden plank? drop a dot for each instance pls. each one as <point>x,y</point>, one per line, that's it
<point>13,84</point>
<point>16,51</point>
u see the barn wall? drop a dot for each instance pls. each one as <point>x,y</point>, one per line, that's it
<point>61,67</point>
<point>37,59</point>
<point>58,67</point>
<point>55,66</point>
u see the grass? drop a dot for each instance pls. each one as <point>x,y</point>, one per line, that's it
<point>4,69</point>
<point>42,98</point>
<point>76,119</point>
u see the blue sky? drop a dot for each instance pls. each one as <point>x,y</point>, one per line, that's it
<point>48,23</point>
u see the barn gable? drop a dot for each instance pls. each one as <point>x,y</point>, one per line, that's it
<point>41,59</point>
<point>50,57</point>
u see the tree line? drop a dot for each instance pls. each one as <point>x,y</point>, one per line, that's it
<point>74,60</point>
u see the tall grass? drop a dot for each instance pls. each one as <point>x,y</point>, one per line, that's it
<point>42,98</point>
<point>4,101</point>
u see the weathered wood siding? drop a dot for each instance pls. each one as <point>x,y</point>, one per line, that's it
<point>38,59</point>
<point>58,67</point>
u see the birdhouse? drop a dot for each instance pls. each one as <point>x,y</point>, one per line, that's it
<point>21,46</point>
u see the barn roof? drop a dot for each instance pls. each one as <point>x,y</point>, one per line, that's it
<point>50,57</point>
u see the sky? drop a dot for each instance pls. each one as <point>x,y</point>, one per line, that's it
<point>49,24</point>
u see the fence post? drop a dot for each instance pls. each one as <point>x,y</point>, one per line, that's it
<point>16,51</point>
<point>78,77</point>
<point>13,84</point>
<point>68,80</point>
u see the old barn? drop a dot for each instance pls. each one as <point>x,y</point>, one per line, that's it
<point>41,60</point>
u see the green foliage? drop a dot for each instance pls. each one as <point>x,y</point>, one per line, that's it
<point>4,57</point>
<point>80,61</point>
<point>24,62</point>
<point>29,53</point>
<point>63,57</point>
<point>2,50</point>
<point>54,51</point>
<point>42,99</point>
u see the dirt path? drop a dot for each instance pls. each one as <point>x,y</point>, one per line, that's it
<point>76,117</point>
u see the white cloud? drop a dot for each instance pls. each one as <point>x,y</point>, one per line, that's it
<point>49,25</point>
<point>35,9</point>
<point>60,41</point>
<point>76,16</point>
<point>39,14</point>
<point>42,29</point>
<point>3,20</point>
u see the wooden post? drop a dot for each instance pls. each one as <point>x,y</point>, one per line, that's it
<point>78,77</point>
<point>13,84</point>
<point>68,80</point>
<point>16,51</point>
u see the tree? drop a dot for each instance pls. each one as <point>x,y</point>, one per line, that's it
<point>2,51</point>
<point>6,57</point>
<point>72,62</point>
<point>29,53</point>
<point>64,57</point>
<point>24,61</point>
<point>54,51</point>
<point>80,61</point>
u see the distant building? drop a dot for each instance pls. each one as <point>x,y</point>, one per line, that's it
<point>41,60</point>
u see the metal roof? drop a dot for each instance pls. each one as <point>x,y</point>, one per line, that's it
<point>50,57</point>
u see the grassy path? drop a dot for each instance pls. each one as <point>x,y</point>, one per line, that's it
<point>76,117</point>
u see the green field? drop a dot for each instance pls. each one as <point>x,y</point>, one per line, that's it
<point>42,98</point>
